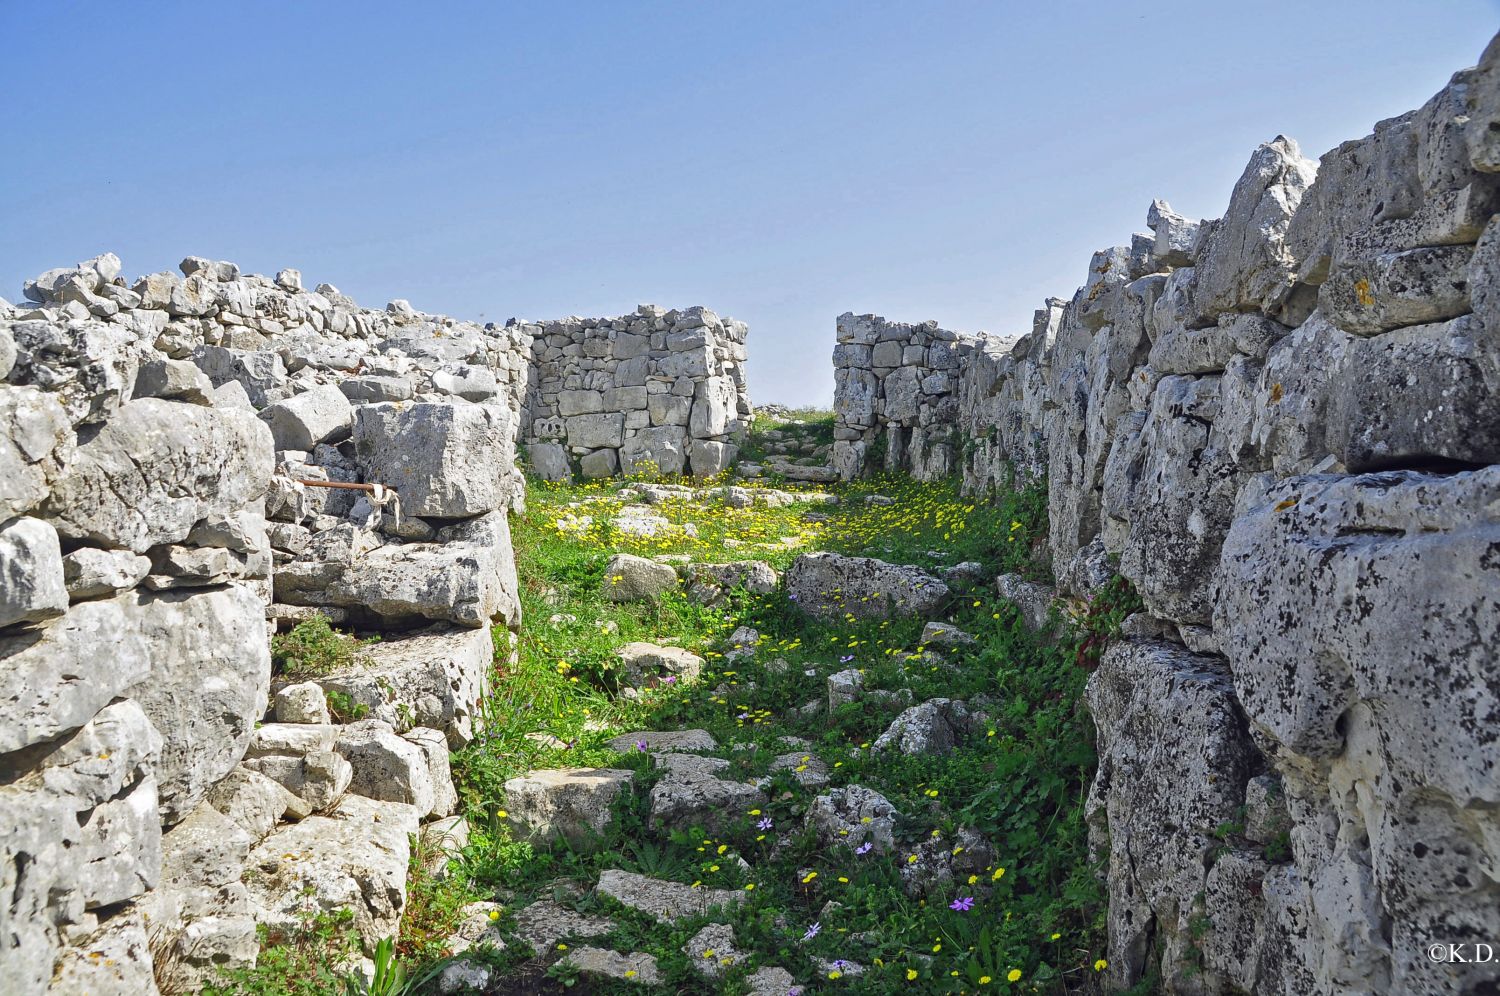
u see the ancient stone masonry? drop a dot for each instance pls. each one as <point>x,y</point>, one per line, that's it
<point>656,389</point>
<point>1283,427</point>
<point>153,532</point>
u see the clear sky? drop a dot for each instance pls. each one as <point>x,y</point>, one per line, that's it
<point>780,162</point>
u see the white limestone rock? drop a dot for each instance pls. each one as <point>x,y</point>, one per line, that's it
<point>1243,260</point>
<point>32,586</point>
<point>213,643</point>
<point>668,902</point>
<point>436,678</point>
<point>854,815</point>
<point>387,767</point>
<point>156,468</point>
<point>635,967</point>
<point>828,585</point>
<point>446,461</point>
<point>1174,756</point>
<point>642,660</point>
<point>934,727</point>
<point>301,422</point>
<point>354,858</point>
<point>56,680</point>
<point>571,803</point>
<point>303,702</point>
<point>628,578</point>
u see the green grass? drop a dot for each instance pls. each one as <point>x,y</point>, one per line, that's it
<point>1022,784</point>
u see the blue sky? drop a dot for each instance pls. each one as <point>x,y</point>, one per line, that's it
<point>778,162</point>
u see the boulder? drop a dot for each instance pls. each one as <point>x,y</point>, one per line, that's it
<point>387,767</point>
<point>467,577</point>
<point>36,440</point>
<point>712,583</point>
<point>174,380</point>
<point>373,389</point>
<point>635,967</point>
<point>828,585</point>
<point>711,950</point>
<point>596,431</point>
<point>666,740</point>
<point>261,374</point>
<point>1174,755</point>
<point>1032,600</point>
<point>628,578</point>
<point>643,660</point>
<point>658,450</point>
<point>938,634</point>
<point>88,366</point>
<point>934,727</point>
<point>301,703</point>
<point>549,461</point>
<point>253,801</point>
<point>853,815</point>
<point>544,923</point>
<point>56,680</point>
<point>1243,260</point>
<point>207,686</point>
<point>445,461</point>
<point>438,678</point>
<point>114,957</point>
<point>691,793</point>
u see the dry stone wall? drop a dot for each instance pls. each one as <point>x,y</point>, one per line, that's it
<point>1283,427</point>
<point>658,389</point>
<point>160,516</point>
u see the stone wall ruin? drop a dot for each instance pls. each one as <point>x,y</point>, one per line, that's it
<point>161,514</point>
<point>1283,427</point>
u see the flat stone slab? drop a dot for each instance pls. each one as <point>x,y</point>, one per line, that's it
<point>666,901</point>
<point>545,923</point>
<point>633,967</point>
<point>665,740</point>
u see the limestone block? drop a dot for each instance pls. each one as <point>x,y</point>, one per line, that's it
<point>156,468</point>
<point>571,803</point>
<point>32,583</point>
<point>322,414</point>
<point>446,461</point>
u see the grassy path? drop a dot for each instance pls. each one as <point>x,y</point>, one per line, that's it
<point>1017,909</point>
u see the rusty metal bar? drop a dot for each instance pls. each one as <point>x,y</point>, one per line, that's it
<point>338,484</point>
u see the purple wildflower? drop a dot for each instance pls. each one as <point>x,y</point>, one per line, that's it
<point>812,931</point>
<point>640,745</point>
<point>743,715</point>
<point>840,964</point>
<point>963,904</point>
<point>846,658</point>
<point>670,679</point>
<point>764,824</point>
<point>863,848</point>
<point>794,991</point>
